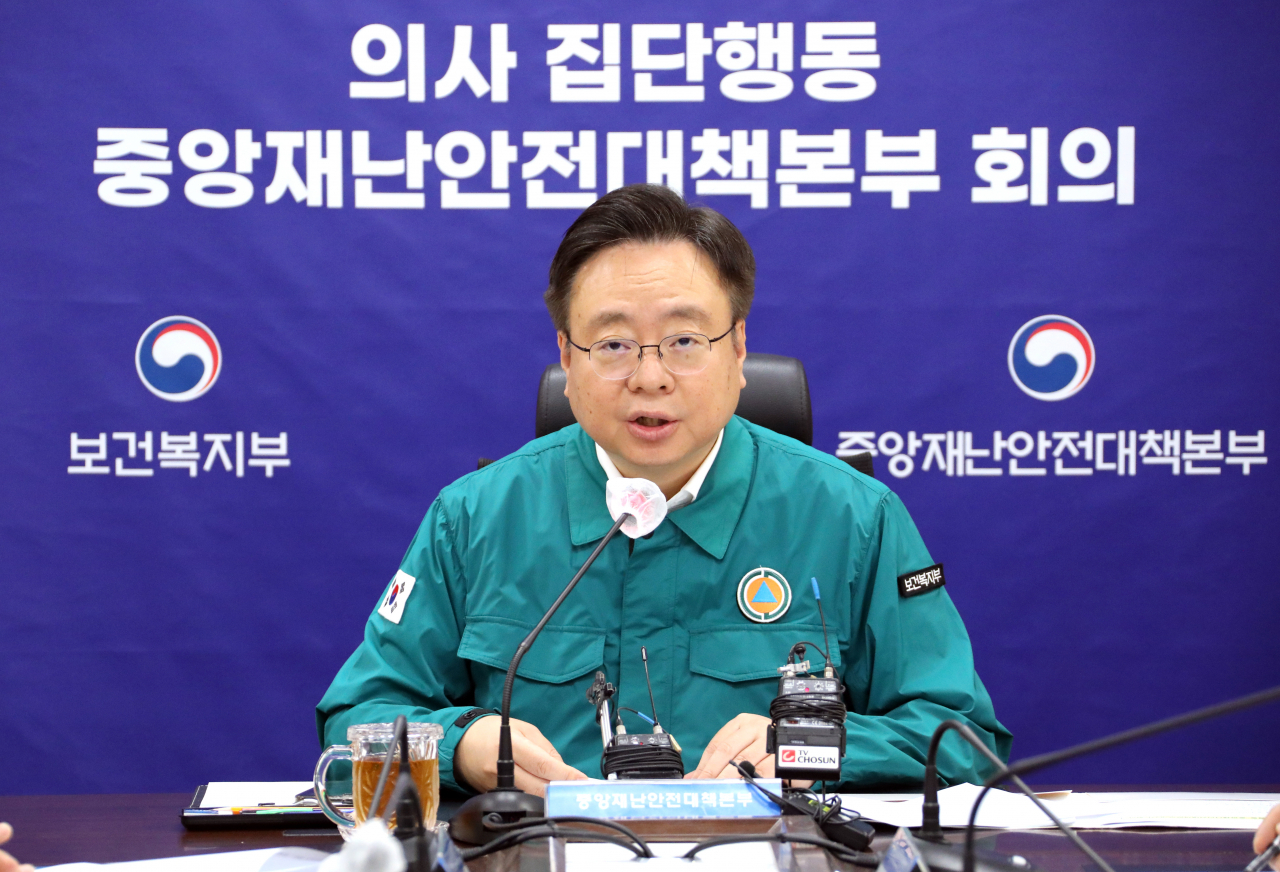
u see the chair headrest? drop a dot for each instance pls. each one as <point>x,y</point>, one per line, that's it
<point>776,396</point>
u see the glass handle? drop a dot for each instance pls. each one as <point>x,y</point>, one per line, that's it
<point>332,753</point>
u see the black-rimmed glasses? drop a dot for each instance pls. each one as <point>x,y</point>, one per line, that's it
<point>681,354</point>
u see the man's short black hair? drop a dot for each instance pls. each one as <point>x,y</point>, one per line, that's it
<point>651,213</point>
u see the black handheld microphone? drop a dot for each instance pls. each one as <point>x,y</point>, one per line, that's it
<point>639,507</point>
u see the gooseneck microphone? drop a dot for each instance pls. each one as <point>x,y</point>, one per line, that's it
<point>946,857</point>
<point>1041,761</point>
<point>637,506</point>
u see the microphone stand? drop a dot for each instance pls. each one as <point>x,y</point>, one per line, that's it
<point>421,849</point>
<point>508,802</point>
<point>1031,764</point>
<point>942,856</point>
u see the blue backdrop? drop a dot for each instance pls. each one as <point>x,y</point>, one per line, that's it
<point>227,410</point>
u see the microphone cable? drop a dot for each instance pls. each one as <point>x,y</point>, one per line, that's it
<point>929,829</point>
<point>530,829</point>
<point>800,705</point>
<point>837,850</point>
<point>1012,771</point>
<point>641,762</point>
<point>843,826</point>
<point>547,831</point>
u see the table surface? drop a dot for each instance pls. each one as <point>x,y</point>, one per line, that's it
<point>105,828</point>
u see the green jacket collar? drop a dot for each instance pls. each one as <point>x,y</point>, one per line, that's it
<point>709,520</point>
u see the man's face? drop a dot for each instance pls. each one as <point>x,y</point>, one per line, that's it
<point>654,425</point>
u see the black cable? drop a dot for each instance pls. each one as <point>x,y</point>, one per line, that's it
<point>1002,771</point>
<point>804,705</point>
<point>644,761</point>
<point>1030,764</point>
<point>644,657</point>
<point>748,773</point>
<point>404,784</point>
<point>628,708</point>
<point>839,851</point>
<point>549,831</point>
<point>398,729</point>
<point>820,811</point>
<point>815,646</point>
<point>1068,831</point>
<point>493,822</point>
<point>829,808</point>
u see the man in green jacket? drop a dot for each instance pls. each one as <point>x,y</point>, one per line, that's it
<point>649,298</point>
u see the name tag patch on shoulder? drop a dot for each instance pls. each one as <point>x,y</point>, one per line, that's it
<point>921,581</point>
<point>392,607</point>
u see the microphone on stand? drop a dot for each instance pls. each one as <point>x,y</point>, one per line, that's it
<point>946,857</point>
<point>637,506</point>
<point>941,856</point>
<point>1031,764</point>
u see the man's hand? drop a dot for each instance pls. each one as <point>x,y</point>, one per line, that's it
<point>7,863</point>
<point>740,739</point>
<point>537,762</point>
<point>1267,834</point>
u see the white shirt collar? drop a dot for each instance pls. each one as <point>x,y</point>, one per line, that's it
<point>686,494</point>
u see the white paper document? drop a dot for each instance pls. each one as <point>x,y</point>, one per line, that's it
<point>999,809</point>
<point>262,860</point>
<point>1205,811</point>
<point>1003,810</point>
<point>239,794</point>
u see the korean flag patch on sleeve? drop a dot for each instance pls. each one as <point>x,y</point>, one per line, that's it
<point>397,595</point>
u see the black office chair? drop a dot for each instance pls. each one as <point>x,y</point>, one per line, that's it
<point>776,396</point>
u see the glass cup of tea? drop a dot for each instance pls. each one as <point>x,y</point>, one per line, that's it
<point>366,749</point>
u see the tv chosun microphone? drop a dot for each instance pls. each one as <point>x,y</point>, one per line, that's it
<point>807,733</point>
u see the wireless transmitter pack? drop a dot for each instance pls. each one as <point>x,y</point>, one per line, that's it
<point>807,736</point>
<point>630,756</point>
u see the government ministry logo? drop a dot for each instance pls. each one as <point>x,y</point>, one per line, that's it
<point>178,358</point>
<point>764,595</point>
<point>1051,357</point>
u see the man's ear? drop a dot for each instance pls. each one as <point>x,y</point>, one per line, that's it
<point>740,349</point>
<point>563,341</point>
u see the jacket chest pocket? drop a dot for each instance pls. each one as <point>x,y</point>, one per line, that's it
<point>739,653</point>
<point>559,655</point>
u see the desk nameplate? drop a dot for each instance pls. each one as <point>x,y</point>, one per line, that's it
<point>705,799</point>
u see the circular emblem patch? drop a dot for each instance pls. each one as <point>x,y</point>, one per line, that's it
<point>764,595</point>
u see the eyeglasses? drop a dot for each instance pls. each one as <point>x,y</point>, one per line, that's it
<point>681,354</point>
